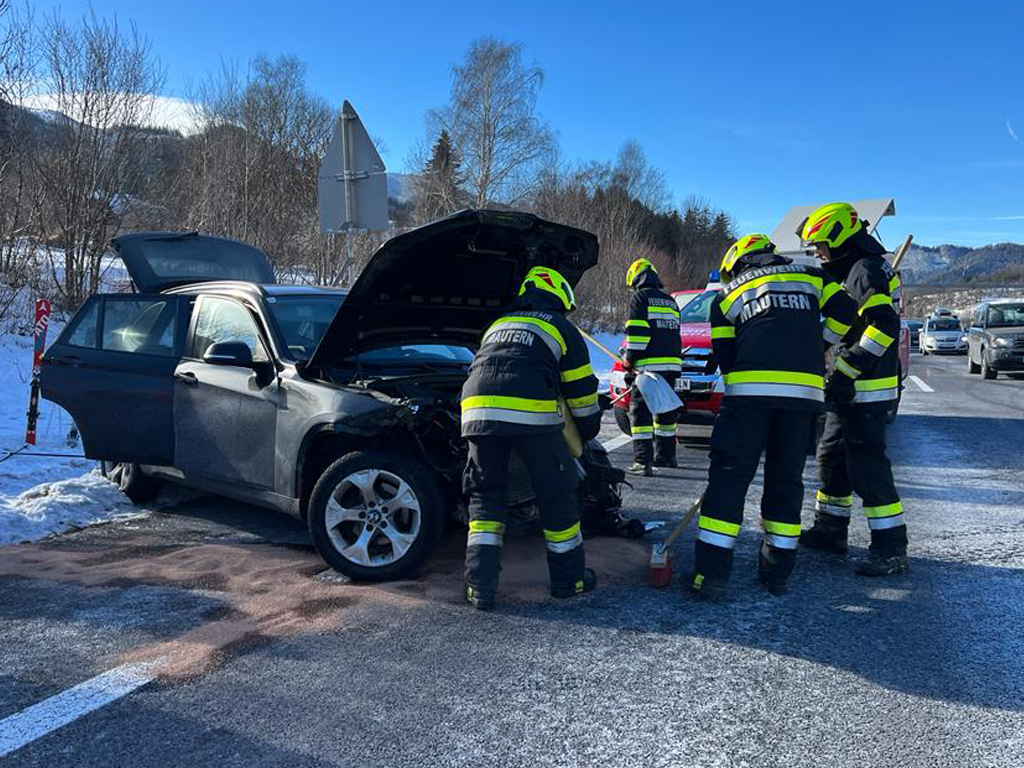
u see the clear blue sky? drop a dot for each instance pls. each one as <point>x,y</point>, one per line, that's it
<point>754,106</point>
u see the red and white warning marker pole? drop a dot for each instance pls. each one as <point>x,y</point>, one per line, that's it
<point>39,337</point>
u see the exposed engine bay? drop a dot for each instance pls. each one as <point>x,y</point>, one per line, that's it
<point>427,411</point>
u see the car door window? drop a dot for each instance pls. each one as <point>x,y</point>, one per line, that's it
<point>142,326</point>
<point>221,320</point>
<point>82,331</point>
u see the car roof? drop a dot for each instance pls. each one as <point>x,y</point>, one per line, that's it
<point>255,291</point>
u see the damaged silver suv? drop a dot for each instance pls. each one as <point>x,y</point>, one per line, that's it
<point>339,408</point>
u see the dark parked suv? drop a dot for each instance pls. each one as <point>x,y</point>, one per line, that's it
<point>995,340</point>
<point>341,408</point>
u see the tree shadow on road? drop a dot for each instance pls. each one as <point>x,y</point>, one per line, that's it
<point>948,631</point>
<point>943,441</point>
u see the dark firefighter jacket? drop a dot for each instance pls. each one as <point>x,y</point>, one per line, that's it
<point>528,361</point>
<point>652,328</point>
<point>769,338</point>
<point>869,353</point>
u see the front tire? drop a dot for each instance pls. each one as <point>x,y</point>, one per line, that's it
<point>972,367</point>
<point>375,516</point>
<point>129,478</point>
<point>987,372</point>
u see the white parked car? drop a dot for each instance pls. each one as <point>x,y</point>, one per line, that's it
<point>942,334</point>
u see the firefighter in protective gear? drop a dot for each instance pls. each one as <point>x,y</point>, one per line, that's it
<point>861,390</point>
<point>532,365</point>
<point>769,340</point>
<point>652,344</point>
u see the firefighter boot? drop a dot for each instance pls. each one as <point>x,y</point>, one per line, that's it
<point>587,584</point>
<point>643,453</point>
<point>773,568</point>
<point>479,600</point>
<point>828,534</point>
<point>707,589</point>
<point>883,564</point>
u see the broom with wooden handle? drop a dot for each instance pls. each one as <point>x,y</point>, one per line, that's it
<point>901,252</point>
<point>659,570</point>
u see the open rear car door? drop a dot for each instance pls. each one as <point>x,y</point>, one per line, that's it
<point>112,369</point>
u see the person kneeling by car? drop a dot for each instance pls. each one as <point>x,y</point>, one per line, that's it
<point>531,364</point>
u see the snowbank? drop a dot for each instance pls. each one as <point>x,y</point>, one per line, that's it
<point>40,496</point>
<point>58,506</point>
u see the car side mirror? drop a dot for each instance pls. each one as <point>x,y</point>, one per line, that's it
<point>234,353</point>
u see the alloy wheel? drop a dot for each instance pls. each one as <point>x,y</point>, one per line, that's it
<point>373,517</point>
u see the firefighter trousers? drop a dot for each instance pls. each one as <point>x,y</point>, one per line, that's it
<point>554,478</point>
<point>654,435</point>
<point>852,459</point>
<point>741,435</point>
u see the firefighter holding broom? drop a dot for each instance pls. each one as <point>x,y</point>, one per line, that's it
<point>532,365</point>
<point>769,340</point>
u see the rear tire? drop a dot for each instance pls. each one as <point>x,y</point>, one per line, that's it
<point>622,419</point>
<point>129,478</point>
<point>375,516</point>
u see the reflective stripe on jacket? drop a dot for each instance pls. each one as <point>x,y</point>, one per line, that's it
<point>869,353</point>
<point>528,361</point>
<point>652,330</point>
<point>769,337</point>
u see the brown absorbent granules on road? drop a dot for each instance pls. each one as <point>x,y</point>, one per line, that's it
<point>270,591</point>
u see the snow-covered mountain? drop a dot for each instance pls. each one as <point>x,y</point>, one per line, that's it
<point>956,264</point>
<point>162,112</point>
<point>400,187</point>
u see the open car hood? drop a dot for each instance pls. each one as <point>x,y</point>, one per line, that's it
<point>445,282</point>
<point>157,261</point>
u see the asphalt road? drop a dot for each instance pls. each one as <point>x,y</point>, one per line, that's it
<point>238,650</point>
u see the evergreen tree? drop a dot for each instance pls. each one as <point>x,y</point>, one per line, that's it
<point>440,187</point>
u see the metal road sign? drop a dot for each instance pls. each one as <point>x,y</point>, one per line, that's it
<point>352,187</point>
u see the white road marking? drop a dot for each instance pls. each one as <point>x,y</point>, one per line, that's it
<point>48,715</point>
<point>616,442</point>
<point>924,387</point>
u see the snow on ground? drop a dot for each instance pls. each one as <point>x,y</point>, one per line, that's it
<point>40,496</point>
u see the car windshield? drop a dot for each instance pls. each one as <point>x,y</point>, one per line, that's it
<point>415,356</point>
<point>944,324</point>
<point>1005,315</point>
<point>682,299</point>
<point>699,310</point>
<point>303,320</point>
<point>914,325</point>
